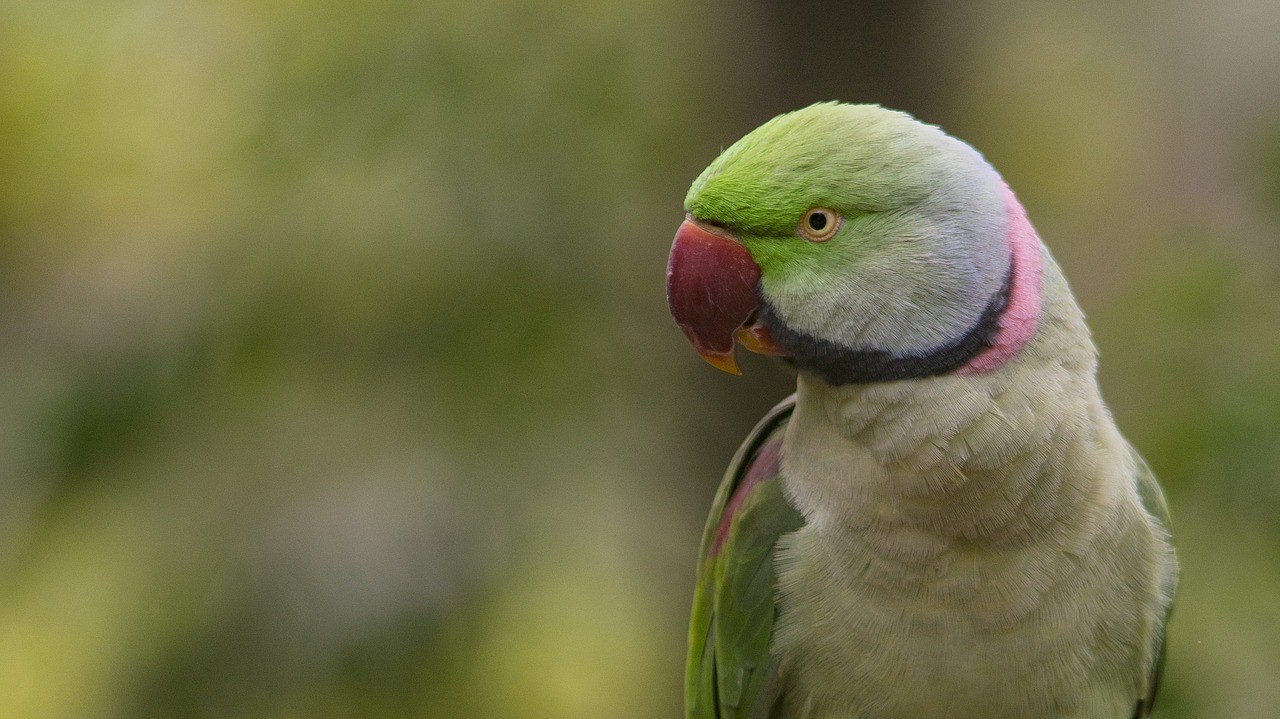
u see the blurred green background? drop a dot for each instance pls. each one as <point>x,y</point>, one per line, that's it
<point>338,376</point>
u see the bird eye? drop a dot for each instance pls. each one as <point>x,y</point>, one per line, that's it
<point>819,224</point>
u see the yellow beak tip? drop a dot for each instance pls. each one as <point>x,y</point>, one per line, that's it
<point>724,361</point>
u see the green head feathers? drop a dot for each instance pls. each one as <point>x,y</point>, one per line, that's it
<point>920,254</point>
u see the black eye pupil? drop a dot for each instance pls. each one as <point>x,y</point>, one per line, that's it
<point>817,221</point>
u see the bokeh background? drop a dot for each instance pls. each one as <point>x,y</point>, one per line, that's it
<point>338,379</point>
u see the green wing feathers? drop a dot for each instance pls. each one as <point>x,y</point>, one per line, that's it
<point>730,673</point>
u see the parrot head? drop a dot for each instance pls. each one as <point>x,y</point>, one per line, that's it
<point>860,244</point>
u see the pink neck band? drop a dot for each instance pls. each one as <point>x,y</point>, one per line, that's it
<point>1017,322</point>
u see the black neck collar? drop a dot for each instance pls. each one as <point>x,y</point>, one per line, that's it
<point>840,365</point>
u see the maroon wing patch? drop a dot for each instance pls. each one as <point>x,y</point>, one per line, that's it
<point>762,465</point>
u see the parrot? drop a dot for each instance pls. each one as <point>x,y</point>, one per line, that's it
<point>943,521</point>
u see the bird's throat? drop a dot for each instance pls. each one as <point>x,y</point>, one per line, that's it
<point>839,365</point>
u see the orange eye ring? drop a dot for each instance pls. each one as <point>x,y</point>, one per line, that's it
<point>819,224</point>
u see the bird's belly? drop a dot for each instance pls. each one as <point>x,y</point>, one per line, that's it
<point>950,642</point>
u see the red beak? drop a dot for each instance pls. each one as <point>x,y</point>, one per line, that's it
<point>711,290</point>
